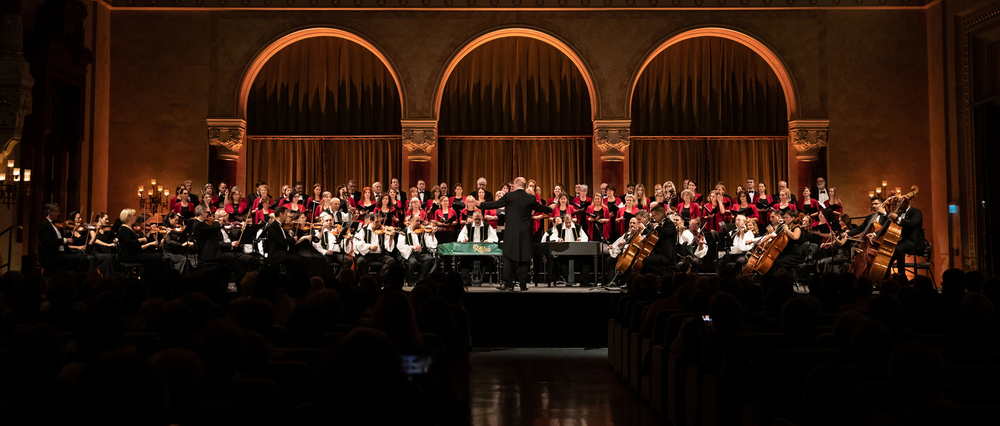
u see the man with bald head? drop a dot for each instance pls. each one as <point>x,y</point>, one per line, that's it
<point>517,236</point>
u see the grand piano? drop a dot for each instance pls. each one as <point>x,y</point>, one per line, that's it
<point>552,250</point>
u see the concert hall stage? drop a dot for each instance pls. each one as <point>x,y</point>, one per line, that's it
<point>540,317</point>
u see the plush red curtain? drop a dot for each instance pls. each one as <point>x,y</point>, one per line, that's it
<point>708,160</point>
<point>329,161</point>
<point>547,160</point>
<point>708,86</point>
<point>324,86</point>
<point>515,86</point>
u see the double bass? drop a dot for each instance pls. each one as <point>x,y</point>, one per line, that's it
<point>887,242</point>
<point>761,257</point>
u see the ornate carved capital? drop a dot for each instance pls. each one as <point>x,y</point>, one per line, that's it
<point>808,137</point>
<point>419,139</point>
<point>229,133</point>
<point>612,138</point>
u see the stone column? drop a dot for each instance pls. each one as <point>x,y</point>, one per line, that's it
<point>809,139</point>
<point>15,83</point>
<point>611,140</point>
<point>228,135</point>
<point>420,146</point>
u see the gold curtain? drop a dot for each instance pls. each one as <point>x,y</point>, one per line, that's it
<point>708,160</point>
<point>547,160</point>
<point>329,161</point>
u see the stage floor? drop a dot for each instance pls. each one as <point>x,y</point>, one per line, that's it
<point>542,288</point>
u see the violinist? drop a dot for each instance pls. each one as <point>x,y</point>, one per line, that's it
<point>236,206</point>
<point>339,216</point>
<point>743,237</point>
<point>792,255</point>
<point>374,243</point>
<point>692,245</point>
<point>330,244</point>
<point>53,248</point>
<point>878,217</point>
<point>304,233</point>
<point>208,199</point>
<point>206,233</point>
<point>278,242</point>
<point>133,245</point>
<point>102,242</point>
<point>184,206</point>
<point>598,219</point>
<point>77,232</point>
<point>177,247</point>
<point>664,254</point>
<point>231,254</point>
<point>415,245</point>
<point>839,248</point>
<point>445,219</point>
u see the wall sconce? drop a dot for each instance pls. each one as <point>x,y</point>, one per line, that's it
<point>12,190</point>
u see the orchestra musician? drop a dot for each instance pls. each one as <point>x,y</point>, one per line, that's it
<point>911,237</point>
<point>374,243</point>
<point>133,246</point>
<point>877,217</point>
<point>415,245</point>
<point>278,242</point>
<point>564,230</point>
<point>664,254</point>
<point>791,256</point>
<point>53,248</point>
<point>691,245</point>
<point>176,246</point>
<point>231,254</point>
<point>517,251</point>
<point>102,242</point>
<point>331,245</point>
<point>476,230</point>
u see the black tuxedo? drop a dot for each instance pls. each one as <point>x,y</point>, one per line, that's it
<point>277,243</point>
<point>665,252</point>
<point>423,196</point>
<point>519,226</point>
<point>882,220</point>
<point>50,240</point>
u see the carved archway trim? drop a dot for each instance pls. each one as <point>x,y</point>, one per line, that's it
<point>765,52</point>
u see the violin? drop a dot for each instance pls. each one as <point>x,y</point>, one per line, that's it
<point>385,230</point>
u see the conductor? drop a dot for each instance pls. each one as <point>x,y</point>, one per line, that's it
<point>517,242</point>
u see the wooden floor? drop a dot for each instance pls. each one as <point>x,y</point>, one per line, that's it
<point>542,288</point>
<point>552,386</point>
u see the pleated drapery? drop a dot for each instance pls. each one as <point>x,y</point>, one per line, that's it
<point>708,160</point>
<point>547,160</point>
<point>708,86</point>
<point>515,86</point>
<point>324,86</point>
<point>329,161</point>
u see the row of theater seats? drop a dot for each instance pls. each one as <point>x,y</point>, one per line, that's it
<point>282,351</point>
<point>806,363</point>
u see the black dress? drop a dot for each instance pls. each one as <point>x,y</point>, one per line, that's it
<point>131,250</point>
<point>792,255</point>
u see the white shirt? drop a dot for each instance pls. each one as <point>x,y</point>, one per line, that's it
<point>687,238</point>
<point>619,245</point>
<point>326,237</point>
<point>62,241</point>
<point>822,196</point>
<point>740,244</point>
<point>491,234</point>
<point>425,240</point>
<point>565,233</point>
<point>367,237</point>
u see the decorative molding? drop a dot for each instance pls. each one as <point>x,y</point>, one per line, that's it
<point>419,139</point>
<point>229,133</point>
<point>513,4</point>
<point>808,137</point>
<point>612,138</point>
<point>15,83</point>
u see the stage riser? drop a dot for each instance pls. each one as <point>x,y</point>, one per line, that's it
<point>505,319</point>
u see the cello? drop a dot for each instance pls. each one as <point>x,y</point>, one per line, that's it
<point>627,258</point>
<point>648,244</point>
<point>887,242</point>
<point>762,256</point>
